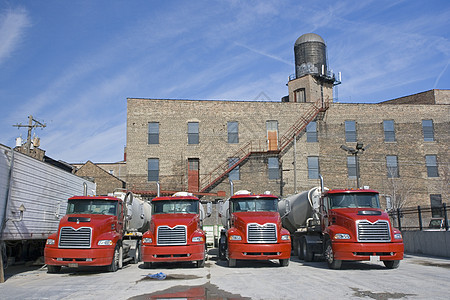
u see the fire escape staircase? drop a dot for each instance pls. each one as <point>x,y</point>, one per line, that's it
<point>212,178</point>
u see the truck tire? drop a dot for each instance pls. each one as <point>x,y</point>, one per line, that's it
<point>329,256</point>
<point>148,265</point>
<point>117,259</point>
<point>136,254</point>
<point>222,248</point>
<point>284,262</point>
<point>308,255</point>
<point>53,269</point>
<point>391,264</point>
<point>232,262</point>
<point>300,246</point>
<point>200,263</point>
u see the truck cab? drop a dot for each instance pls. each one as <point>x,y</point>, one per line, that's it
<point>90,234</point>
<point>355,228</point>
<point>253,230</point>
<point>175,232</point>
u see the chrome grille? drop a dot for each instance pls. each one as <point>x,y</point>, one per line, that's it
<point>75,238</point>
<point>266,233</point>
<point>172,236</point>
<point>373,232</point>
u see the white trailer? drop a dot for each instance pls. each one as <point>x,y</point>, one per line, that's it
<point>33,198</point>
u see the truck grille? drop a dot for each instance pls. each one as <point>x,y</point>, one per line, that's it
<point>172,236</point>
<point>373,232</point>
<point>266,233</point>
<point>75,238</point>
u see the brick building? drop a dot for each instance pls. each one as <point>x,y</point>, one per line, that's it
<point>198,145</point>
<point>106,181</point>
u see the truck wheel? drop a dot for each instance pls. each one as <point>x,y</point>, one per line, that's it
<point>222,248</point>
<point>53,269</point>
<point>232,262</point>
<point>201,263</point>
<point>391,264</point>
<point>137,253</point>
<point>148,265</point>
<point>300,246</point>
<point>116,261</point>
<point>329,256</point>
<point>284,262</point>
<point>308,255</point>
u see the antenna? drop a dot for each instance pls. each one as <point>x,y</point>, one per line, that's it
<point>30,126</point>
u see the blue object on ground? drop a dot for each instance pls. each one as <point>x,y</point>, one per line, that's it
<point>159,276</point>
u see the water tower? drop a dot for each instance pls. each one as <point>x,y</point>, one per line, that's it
<point>313,81</point>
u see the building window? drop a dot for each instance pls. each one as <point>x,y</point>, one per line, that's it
<point>299,95</point>
<point>428,130</point>
<point>153,133</point>
<point>350,131</point>
<point>351,167</point>
<point>233,132</point>
<point>153,169</point>
<point>392,166</point>
<point>234,174</point>
<point>436,206</point>
<point>311,132</point>
<point>274,168</point>
<point>193,133</point>
<point>313,167</point>
<point>431,162</point>
<point>389,132</point>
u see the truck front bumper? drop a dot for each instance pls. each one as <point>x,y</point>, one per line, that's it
<point>364,251</point>
<point>259,251</point>
<point>172,253</point>
<point>78,257</point>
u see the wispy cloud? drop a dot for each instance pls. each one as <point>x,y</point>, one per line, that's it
<point>13,23</point>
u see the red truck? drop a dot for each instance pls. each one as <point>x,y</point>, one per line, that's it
<point>253,230</point>
<point>175,232</point>
<point>342,225</point>
<point>98,231</point>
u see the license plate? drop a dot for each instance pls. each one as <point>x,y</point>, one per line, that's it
<point>374,258</point>
<point>73,265</point>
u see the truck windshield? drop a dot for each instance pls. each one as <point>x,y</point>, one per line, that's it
<point>89,206</point>
<point>348,200</point>
<point>254,204</point>
<point>175,207</point>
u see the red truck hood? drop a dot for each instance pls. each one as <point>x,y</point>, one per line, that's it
<point>172,220</point>
<point>241,219</point>
<point>99,222</point>
<point>369,214</point>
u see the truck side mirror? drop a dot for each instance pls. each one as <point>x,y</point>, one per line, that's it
<point>287,208</point>
<point>208,209</point>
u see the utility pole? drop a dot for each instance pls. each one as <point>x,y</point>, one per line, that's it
<point>30,128</point>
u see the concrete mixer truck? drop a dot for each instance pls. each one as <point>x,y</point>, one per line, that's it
<point>99,231</point>
<point>341,225</point>
<point>252,229</point>
<point>176,233</point>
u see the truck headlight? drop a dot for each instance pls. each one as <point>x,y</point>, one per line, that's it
<point>147,240</point>
<point>105,243</point>
<point>285,237</point>
<point>50,242</point>
<point>397,236</point>
<point>235,238</point>
<point>197,239</point>
<point>342,236</point>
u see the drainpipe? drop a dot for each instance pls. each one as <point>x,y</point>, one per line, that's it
<point>231,188</point>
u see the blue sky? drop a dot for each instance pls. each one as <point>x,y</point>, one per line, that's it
<point>72,64</point>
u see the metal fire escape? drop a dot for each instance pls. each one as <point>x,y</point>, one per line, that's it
<point>250,148</point>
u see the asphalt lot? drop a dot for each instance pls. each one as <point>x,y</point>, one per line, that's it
<point>418,277</point>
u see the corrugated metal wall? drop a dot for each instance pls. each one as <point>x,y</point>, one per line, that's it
<point>41,188</point>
